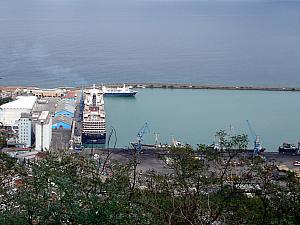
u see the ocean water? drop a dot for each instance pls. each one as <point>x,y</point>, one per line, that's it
<point>52,43</point>
<point>78,42</point>
<point>193,116</point>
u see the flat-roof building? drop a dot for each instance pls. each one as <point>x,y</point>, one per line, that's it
<point>62,122</point>
<point>41,93</point>
<point>11,112</point>
<point>25,130</point>
<point>43,132</point>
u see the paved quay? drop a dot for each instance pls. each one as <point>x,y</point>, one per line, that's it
<point>151,158</point>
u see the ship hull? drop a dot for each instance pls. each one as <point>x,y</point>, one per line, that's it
<point>288,150</point>
<point>114,94</point>
<point>88,139</point>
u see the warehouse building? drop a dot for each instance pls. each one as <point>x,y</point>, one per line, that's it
<point>62,122</point>
<point>41,93</point>
<point>65,108</point>
<point>10,113</point>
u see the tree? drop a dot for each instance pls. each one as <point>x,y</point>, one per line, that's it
<point>3,136</point>
<point>5,100</point>
<point>199,186</point>
<point>228,186</point>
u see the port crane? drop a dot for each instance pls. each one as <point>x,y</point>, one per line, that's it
<point>156,139</point>
<point>138,145</point>
<point>257,144</point>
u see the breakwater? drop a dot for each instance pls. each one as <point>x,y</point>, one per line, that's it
<point>204,86</point>
<point>169,86</point>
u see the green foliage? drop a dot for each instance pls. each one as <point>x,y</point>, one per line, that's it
<point>3,136</point>
<point>5,100</point>
<point>2,141</point>
<point>203,186</point>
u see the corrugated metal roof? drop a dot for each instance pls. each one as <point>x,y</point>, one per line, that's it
<point>66,105</point>
<point>63,119</point>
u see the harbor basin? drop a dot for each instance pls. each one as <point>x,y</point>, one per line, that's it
<point>193,116</point>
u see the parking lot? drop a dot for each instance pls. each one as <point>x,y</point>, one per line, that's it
<point>150,160</point>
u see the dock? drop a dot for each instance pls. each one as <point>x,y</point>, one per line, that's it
<point>169,86</point>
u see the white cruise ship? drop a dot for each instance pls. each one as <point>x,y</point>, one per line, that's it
<point>93,124</point>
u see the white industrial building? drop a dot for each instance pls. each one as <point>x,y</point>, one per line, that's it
<point>10,113</point>
<point>43,132</point>
<point>25,130</point>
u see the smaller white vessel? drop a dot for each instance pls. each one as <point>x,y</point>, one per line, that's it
<point>125,91</point>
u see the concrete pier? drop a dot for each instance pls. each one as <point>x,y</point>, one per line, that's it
<point>204,86</point>
<point>170,86</point>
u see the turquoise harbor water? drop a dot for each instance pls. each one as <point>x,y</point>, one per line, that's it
<point>193,116</point>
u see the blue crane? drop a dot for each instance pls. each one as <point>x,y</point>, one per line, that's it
<point>257,144</point>
<point>145,129</point>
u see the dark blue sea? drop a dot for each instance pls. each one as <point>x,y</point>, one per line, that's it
<point>78,42</point>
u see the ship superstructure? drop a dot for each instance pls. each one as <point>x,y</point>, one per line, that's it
<point>93,122</point>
